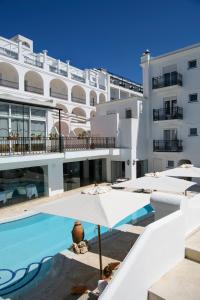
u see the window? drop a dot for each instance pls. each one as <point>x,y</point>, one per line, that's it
<point>128,113</point>
<point>38,113</point>
<point>193,132</point>
<point>170,164</point>
<point>192,64</point>
<point>193,97</point>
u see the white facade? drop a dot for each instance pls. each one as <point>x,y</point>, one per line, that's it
<point>126,121</point>
<point>175,97</point>
<point>37,76</point>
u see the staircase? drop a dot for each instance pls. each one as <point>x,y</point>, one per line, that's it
<point>183,281</point>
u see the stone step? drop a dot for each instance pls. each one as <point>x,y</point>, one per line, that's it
<point>192,249</point>
<point>180,283</point>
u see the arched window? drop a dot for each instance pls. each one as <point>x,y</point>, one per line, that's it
<point>33,83</point>
<point>8,76</point>
<point>78,95</point>
<point>58,89</point>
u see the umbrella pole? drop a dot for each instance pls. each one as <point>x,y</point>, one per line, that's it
<point>100,256</point>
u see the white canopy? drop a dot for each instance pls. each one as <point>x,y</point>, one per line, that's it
<point>184,170</point>
<point>105,209</point>
<point>158,183</point>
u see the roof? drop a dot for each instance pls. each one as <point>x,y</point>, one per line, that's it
<point>176,51</point>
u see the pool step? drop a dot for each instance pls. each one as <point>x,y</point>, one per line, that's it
<point>180,283</point>
<point>192,250</point>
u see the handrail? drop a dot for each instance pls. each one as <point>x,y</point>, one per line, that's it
<point>14,274</point>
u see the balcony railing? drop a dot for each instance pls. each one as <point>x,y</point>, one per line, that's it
<point>102,87</point>
<point>78,78</point>
<point>33,62</point>
<point>78,100</point>
<point>8,53</point>
<point>58,71</point>
<point>10,84</point>
<point>161,114</point>
<point>168,79</point>
<point>33,89</point>
<point>58,95</point>
<point>167,146</point>
<point>36,145</point>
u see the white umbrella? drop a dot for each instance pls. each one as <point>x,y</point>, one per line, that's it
<point>104,208</point>
<point>153,181</point>
<point>185,170</point>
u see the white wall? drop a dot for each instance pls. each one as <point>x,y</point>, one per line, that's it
<point>153,68</point>
<point>157,250</point>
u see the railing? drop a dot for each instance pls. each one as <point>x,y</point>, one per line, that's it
<point>128,85</point>
<point>168,79</point>
<point>9,53</point>
<point>36,145</point>
<point>168,114</point>
<point>167,146</point>
<point>78,78</point>
<point>74,143</point>
<point>10,84</point>
<point>78,100</point>
<point>102,87</point>
<point>58,71</point>
<point>33,89</point>
<point>58,95</point>
<point>33,62</point>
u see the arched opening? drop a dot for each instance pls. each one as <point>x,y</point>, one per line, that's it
<point>8,76</point>
<point>80,115</point>
<point>58,89</point>
<point>63,107</point>
<point>184,161</point>
<point>79,132</point>
<point>78,95</point>
<point>92,114</point>
<point>33,83</point>
<point>93,98</point>
<point>102,98</point>
<point>64,128</point>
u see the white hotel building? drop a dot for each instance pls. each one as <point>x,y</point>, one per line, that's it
<point>51,139</point>
<point>45,110</point>
<point>171,85</point>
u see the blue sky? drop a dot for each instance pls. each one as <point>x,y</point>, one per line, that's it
<point>104,33</point>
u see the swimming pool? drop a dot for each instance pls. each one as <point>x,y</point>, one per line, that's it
<point>30,239</point>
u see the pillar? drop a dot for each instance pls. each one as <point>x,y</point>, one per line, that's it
<point>53,176</point>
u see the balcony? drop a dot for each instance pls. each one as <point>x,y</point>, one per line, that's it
<point>78,78</point>
<point>102,87</point>
<point>58,95</point>
<point>33,62</point>
<point>33,89</point>
<point>58,71</point>
<point>12,145</point>
<point>8,53</point>
<point>10,84</point>
<point>167,146</point>
<point>163,114</point>
<point>78,100</point>
<point>166,80</point>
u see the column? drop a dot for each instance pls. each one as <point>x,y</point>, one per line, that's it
<point>45,65</point>
<point>108,169</point>
<point>20,54</point>
<point>54,178</point>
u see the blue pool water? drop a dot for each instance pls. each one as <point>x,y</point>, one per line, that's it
<point>30,239</point>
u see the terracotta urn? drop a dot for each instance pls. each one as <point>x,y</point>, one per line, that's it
<point>77,232</point>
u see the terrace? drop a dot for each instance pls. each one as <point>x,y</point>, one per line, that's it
<point>13,145</point>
